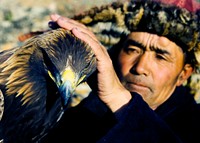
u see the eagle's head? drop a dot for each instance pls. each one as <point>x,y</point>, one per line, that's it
<point>67,59</point>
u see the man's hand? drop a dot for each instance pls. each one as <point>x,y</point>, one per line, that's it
<point>110,89</point>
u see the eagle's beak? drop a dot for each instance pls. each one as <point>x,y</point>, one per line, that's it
<point>67,86</point>
<point>69,81</point>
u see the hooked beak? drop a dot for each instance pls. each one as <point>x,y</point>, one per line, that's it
<point>67,86</point>
<point>69,82</point>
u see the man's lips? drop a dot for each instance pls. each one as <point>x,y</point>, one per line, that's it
<point>137,86</point>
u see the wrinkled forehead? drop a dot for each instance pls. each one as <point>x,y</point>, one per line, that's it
<point>153,40</point>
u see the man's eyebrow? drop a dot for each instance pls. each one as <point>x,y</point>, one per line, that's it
<point>152,48</point>
<point>159,50</point>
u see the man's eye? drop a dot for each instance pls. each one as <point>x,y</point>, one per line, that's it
<point>160,57</point>
<point>132,50</point>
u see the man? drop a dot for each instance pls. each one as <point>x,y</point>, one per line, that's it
<point>139,95</point>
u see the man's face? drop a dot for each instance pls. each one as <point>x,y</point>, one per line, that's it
<point>151,66</point>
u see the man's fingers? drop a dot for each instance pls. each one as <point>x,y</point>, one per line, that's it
<point>83,33</point>
<point>69,24</point>
<point>85,37</point>
<point>99,50</point>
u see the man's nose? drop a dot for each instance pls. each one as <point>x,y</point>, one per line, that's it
<point>142,65</point>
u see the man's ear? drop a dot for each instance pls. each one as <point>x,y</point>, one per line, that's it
<point>185,74</point>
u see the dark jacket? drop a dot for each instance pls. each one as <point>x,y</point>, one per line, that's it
<point>177,120</point>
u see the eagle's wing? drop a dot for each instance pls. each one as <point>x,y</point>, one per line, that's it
<point>1,105</point>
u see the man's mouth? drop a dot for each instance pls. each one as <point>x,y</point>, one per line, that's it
<point>134,87</point>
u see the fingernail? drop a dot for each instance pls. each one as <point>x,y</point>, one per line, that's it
<point>55,17</point>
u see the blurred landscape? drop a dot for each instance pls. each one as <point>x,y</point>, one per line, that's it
<point>22,16</point>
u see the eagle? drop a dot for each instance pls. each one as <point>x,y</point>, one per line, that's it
<point>37,81</point>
